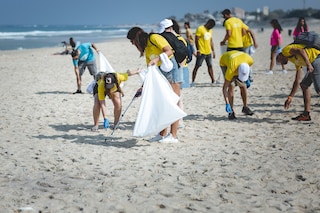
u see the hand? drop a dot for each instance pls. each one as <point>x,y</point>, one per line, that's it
<point>138,93</point>
<point>228,108</point>
<point>287,103</point>
<point>106,123</point>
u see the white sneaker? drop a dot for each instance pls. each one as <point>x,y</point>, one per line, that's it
<point>169,139</point>
<point>158,137</point>
<point>270,72</point>
<point>284,71</point>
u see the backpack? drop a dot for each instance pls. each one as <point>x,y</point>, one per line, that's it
<point>180,49</point>
<point>310,39</point>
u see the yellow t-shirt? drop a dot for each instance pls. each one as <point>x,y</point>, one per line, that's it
<point>232,60</point>
<point>154,47</point>
<point>247,40</point>
<point>235,25</point>
<point>204,39</point>
<point>101,85</point>
<point>298,60</point>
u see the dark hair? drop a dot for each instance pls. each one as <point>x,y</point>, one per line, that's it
<point>141,37</point>
<point>276,24</point>
<point>299,25</point>
<point>175,26</point>
<point>210,23</point>
<point>187,23</point>
<point>74,53</point>
<point>133,32</point>
<point>226,12</point>
<point>72,43</point>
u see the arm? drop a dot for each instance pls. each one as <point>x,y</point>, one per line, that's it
<point>302,52</point>
<point>253,38</point>
<point>226,37</point>
<point>133,72</point>
<point>295,86</point>
<point>212,49</point>
<point>196,42</point>
<point>225,91</point>
<point>167,50</point>
<point>94,47</point>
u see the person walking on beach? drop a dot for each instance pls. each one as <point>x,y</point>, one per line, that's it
<point>83,57</point>
<point>235,66</point>
<point>300,27</point>
<point>235,29</point>
<point>108,84</point>
<point>275,42</point>
<point>154,47</point>
<point>205,49</point>
<point>301,56</point>
<point>190,37</point>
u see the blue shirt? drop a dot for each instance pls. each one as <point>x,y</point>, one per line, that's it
<point>86,53</point>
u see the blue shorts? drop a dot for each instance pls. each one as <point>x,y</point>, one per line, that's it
<point>186,78</point>
<point>175,75</point>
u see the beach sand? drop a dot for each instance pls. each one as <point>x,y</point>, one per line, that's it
<point>50,161</point>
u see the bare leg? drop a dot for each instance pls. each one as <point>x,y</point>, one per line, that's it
<point>116,100</point>
<point>210,71</point>
<point>96,111</point>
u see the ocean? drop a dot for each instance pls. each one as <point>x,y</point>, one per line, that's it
<point>18,37</point>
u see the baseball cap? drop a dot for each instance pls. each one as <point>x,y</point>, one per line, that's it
<point>243,72</point>
<point>164,24</point>
<point>110,80</point>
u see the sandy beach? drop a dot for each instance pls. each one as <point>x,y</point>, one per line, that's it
<point>50,161</point>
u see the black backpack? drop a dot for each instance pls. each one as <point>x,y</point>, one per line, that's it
<point>310,39</point>
<point>180,49</point>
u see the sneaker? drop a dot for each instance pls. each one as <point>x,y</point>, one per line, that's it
<point>169,139</point>
<point>284,71</point>
<point>77,92</point>
<point>270,72</point>
<point>232,116</point>
<point>247,111</point>
<point>302,117</point>
<point>94,128</point>
<point>158,137</point>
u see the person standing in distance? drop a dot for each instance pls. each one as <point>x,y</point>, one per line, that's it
<point>205,49</point>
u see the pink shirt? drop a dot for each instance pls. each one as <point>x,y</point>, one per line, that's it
<point>276,38</point>
<point>296,31</point>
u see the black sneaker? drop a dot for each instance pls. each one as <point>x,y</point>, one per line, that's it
<point>232,116</point>
<point>247,111</point>
<point>77,92</point>
<point>302,117</point>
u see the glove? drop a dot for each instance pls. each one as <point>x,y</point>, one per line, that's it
<point>106,123</point>
<point>138,93</point>
<point>228,108</point>
<point>248,83</point>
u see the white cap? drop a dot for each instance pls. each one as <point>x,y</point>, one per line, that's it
<point>243,72</point>
<point>164,24</point>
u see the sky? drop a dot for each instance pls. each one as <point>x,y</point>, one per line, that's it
<point>126,12</point>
